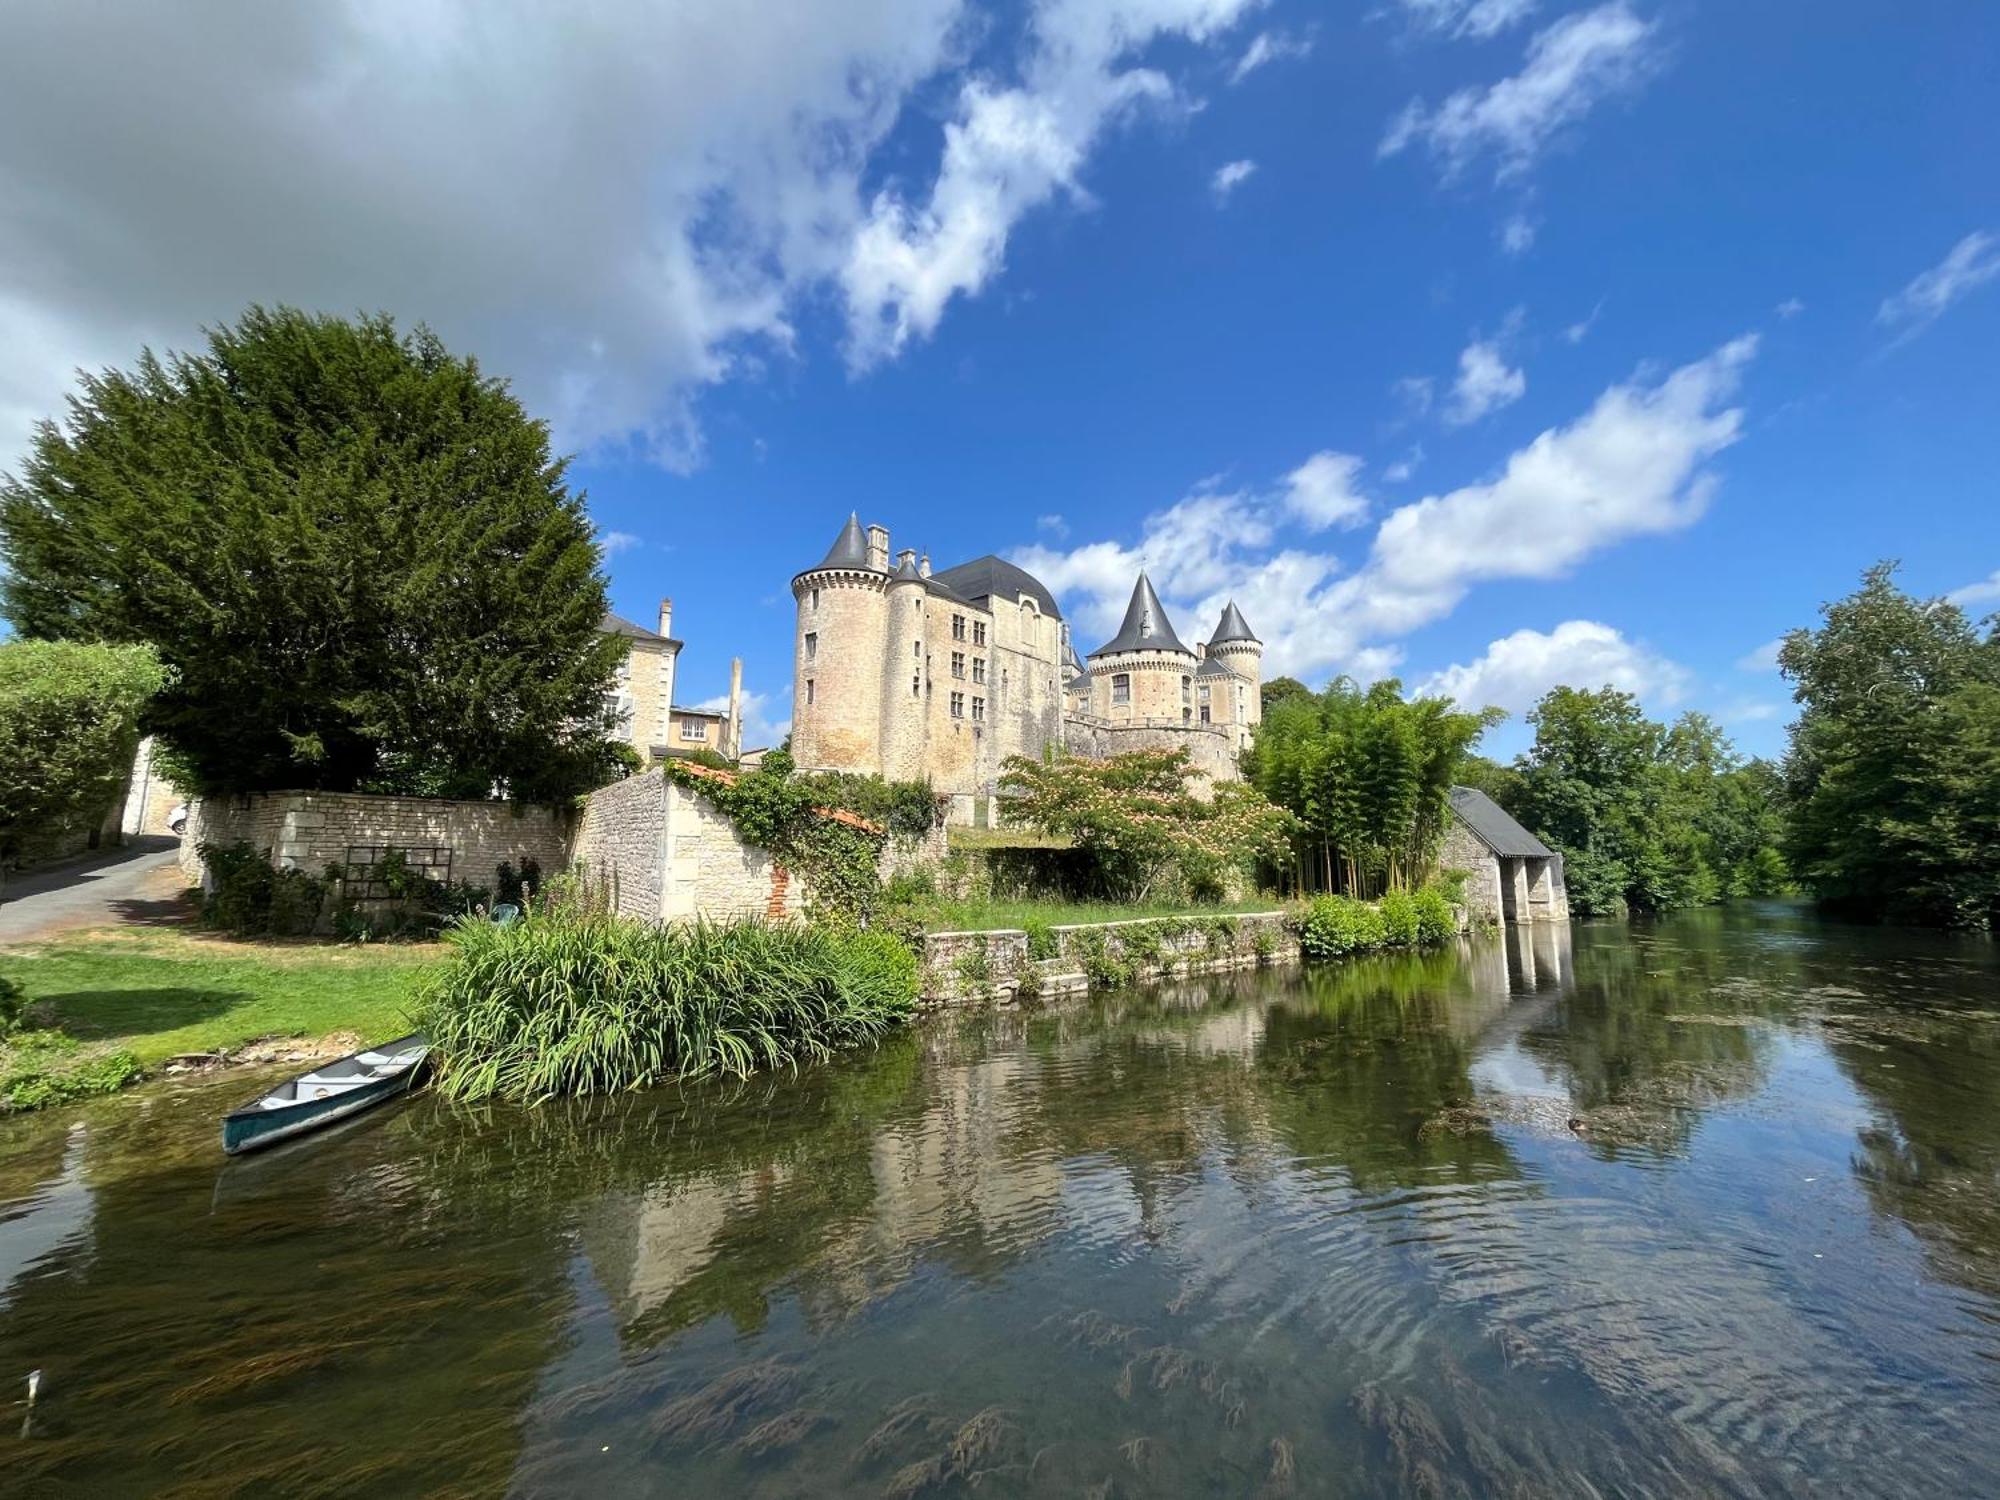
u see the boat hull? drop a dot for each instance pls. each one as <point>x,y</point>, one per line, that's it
<point>253,1130</point>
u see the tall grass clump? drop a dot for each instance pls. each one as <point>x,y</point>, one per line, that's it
<point>572,1001</point>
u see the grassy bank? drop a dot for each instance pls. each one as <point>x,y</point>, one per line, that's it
<point>155,994</point>
<point>942,915</point>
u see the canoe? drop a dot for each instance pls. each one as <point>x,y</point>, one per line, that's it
<point>333,1091</point>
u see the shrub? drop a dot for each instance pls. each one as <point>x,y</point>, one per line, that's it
<point>1042,940</point>
<point>1144,946</point>
<point>1102,967</point>
<point>1399,920</point>
<point>1027,980</point>
<point>13,1001</point>
<point>1333,926</point>
<point>974,969</point>
<point>573,1001</point>
<point>1264,945</point>
<point>1435,921</point>
<point>247,896</point>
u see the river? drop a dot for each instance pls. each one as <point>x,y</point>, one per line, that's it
<point>1706,1207</point>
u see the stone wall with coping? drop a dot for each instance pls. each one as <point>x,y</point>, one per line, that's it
<point>711,873</point>
<point>620,844</point>
<point>310,830</point>
<point>1211,747</point>
<point>961,968</point>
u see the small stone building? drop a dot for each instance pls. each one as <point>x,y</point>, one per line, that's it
<point>1514,876</point>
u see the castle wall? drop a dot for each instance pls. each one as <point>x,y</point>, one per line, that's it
<point>1162,687</point>
<point>1211,749</point>
<point>838,672</point>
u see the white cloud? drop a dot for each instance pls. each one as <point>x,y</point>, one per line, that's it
<point>1975,595</point>
<point>1791,307</point>
<point>1322,492</point>
<point>1578,331</point>
<point>1631,466</point>
<point>762,725</point>
<point>1485,384</point>
<point>1268,47</point>
<point>1973,261</point>
<point>615,542</point>
<point>1405,466</point>
<point>1571,67</point>
<point>1052,525</point>
<point>1518,669</point>
<point>1763,659</point>
<point>1228,177</point>
<point>614,206</point>
<point>1007,151</point>
<point>1472,19</point>
<point>1517,234</point>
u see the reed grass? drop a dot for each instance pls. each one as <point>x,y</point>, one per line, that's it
<point>578,1002</point>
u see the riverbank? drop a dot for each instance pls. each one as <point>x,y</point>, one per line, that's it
<point>153,994</point>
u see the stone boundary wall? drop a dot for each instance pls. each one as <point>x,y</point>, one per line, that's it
<point>710,873</point>
<point>963,968</point>
<point>1211,747</point>
<point>621,843</point>
<point>311,830</point>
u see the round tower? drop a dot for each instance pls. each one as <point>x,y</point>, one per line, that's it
<point>1236,646</point>
<point>837,657</point>
<point>1144,672</point>
<point>902,669</point>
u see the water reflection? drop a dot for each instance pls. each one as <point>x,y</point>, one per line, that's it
<point>1591,1213</point>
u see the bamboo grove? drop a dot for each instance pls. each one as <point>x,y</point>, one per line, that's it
<point>1367,775</point>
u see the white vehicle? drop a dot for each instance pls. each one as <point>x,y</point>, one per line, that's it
<point>177,819</point>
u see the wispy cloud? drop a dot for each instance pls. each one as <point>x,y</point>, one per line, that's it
<point>1972,262</point>
<point>1570,69</point>
<point>1052,525</point>
<point>1485,384</point>
<point>1763,659</point>
<point>1578,331</point>
<point>1269,47</point>
<point>1465,19</point>
<point>1229,177</point>
<point>615,542</point>
<point>1323,491</point>
<point>1791,307</point>
<point>1517,234</point>
<point>1976,595</point>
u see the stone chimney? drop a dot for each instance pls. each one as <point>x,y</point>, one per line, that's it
<point>732,731</point>
<point>924,566</point>
<point>666,617</point>
<point>878,548</point>
<point>907,556</point>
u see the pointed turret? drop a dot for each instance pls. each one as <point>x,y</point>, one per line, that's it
<point>1232,627</point>
<point>1146,626</point>
<point>850,548</point>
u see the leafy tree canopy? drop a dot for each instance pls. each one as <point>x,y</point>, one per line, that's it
<point>350,548</point>
<point>1146,814</point>
<point>1367,777</point>
<point>1894,770</point>
<point>69,719</point>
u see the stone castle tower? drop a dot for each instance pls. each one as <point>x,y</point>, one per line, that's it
<point>915,675</point>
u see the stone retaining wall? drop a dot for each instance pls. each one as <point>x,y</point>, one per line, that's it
<point>968,967</point>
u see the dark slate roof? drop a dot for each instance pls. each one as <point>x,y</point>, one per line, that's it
<point>946,591</point>
<point>906,571</point>
<point>1495,829</point>
<point>1213,667</point>
<point>618,625</point>
<point>1233,627</point>
<point>850,548</point>
<point>1146,626</point>
<point>988,577</point>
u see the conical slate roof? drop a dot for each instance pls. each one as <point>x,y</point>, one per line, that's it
<point>850,549</point>
<point>1233,627</point>
<point>1146,626</point>
<point>906,571</point>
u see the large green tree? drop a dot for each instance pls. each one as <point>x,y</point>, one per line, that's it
<point>1894,770</point>
<point>352,550</point>
<point>69,718</point>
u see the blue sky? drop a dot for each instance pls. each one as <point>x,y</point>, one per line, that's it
<point>1487,343</point>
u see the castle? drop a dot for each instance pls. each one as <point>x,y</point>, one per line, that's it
<point>940,677</point>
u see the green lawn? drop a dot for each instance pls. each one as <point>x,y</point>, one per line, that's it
<point>986,916</point>
<point>158,994</point>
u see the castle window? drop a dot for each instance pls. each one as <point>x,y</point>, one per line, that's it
<point>978,710</point>
<point>958,663</point>
<point>1187,689</point>
<point>958,627</point>
<point>978,632</point>
<point>812,644</point>
<point>1186,715</point>
<point>1204,713</point>
<point>958,705</point>
<point>809,690</point>
<point>1121,687</point>
<point>815,599</point>
<point>916,648</point>
<point>916,682</point>
<point>694,729</point>
<point>978,669</point>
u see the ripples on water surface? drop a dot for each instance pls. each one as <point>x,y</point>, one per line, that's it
<point>1706,1208</point>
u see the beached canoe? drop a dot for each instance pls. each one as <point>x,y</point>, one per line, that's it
<point>333,1091</point>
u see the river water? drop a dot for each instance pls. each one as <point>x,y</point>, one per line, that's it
<point>1704,1208</point>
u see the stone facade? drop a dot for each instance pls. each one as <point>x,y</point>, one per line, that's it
<point>1461,849</point>
<point>648,719</point>
<point>940,677</point>
<point>460,841</point>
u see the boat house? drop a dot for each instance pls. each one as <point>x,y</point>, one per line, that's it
<point>1515,877</point>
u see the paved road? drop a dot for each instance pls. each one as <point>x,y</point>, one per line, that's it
<point>138,883</point>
